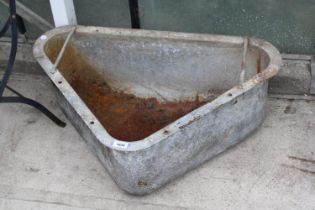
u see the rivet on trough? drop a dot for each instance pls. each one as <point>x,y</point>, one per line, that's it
<point>142,183</point>
<point>165,132</point>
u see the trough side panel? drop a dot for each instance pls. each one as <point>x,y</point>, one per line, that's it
<point>102,152</point>
<point>165,65</point>
<point>142,172</point>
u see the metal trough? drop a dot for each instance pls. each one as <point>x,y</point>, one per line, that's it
<point>171,68</point>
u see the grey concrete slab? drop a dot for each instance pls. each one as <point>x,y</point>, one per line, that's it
<point>25,61</point>
<point>294,77</point>
<point>46,167</point>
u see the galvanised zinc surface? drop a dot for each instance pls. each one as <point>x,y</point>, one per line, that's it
<point>143,166</point>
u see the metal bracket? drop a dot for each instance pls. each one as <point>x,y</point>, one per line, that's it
<point>243,64</point>
<point>134,13</point>
<point>63,49</point>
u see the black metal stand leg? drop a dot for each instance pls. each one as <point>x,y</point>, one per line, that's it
<point>36,105</point>
<point>134,13</point>
<point>13,23</point>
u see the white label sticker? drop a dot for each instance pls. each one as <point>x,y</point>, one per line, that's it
<point>120,144</point>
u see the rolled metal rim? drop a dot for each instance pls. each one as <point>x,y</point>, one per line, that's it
<point>95,126</point>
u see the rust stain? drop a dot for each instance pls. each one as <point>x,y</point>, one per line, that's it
<point>243,65</point>
<point>258,64</point>
<point>264,75</point>
<point>142,183</point>
<point>125,116</point>
<point>190,122</point>
<point>302,159</point>
<point>299,169</point>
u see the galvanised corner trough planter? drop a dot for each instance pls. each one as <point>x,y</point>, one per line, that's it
<point>153,105</point>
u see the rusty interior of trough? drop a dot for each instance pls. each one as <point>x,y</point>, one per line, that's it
<point>124,116</point>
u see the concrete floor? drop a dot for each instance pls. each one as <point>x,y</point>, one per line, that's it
<point>46,167</point>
